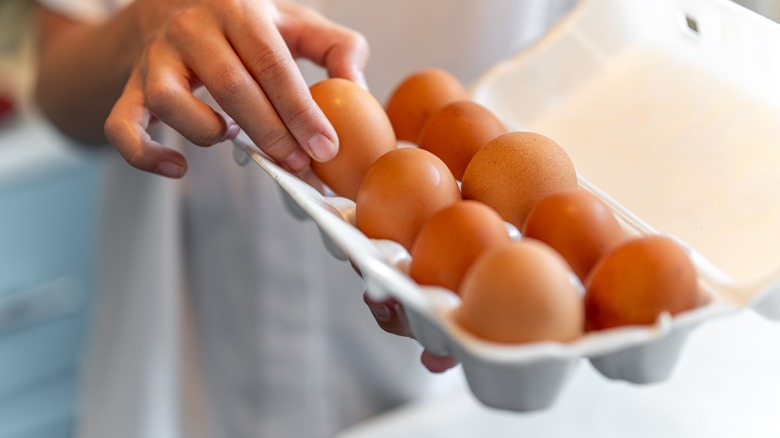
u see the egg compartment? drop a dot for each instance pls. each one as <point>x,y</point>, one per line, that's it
<point>672,111</point>
<point>514,377</point>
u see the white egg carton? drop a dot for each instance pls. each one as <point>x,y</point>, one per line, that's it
<point>672,107</point>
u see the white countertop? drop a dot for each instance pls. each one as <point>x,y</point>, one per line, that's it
<point>726,384</point>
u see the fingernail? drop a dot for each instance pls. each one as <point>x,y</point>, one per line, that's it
<point>360,78</point>
<point>297,160</point>
<point>232,130</point>
<point>381,312</point>
<point>170,169</point>
<point>322,148</point>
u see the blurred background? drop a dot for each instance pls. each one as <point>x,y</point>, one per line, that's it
<point>49,192</point>
<point>49,195</point>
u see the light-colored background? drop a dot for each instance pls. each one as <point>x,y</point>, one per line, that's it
<point>726,384</point>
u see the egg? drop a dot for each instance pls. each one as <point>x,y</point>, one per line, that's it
<point>519,292</point>
<point>417,97</point>
<point>450,241</point>
<point>512,172</point>
<point>637,281</point>
<point>364,132</point>
<point>400,192</point>
<point>457,131</point>
<point>577,224</point>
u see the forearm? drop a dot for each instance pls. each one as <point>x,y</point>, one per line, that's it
<point>82,70</point>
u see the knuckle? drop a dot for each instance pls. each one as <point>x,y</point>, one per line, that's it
<point>300,116</point>
<point>356,40</point>
<point>161,97</point>
<point>359,44</point>
<point>205,137</point>
<point>199,138</point>
<point>115,129</point>
<point>231,5</point>
<point>278,143</point>
<point>270,64</point>
<point>230,85</point>
<point>296,9</point>
<point>112,129</point>
<point>136,160</point>
<point>184,25</point>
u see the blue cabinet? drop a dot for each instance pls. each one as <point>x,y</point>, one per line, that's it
<point>49,196</point>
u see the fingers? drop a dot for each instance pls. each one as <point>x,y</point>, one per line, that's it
<point>159,87</point>
<point>241,55</point>
<point>168,96</point>
<point>342,51</point>
<point>170,99</point>
<point>437,364</point>
<point>272,66</point>
<point>126,127</point>
<point>214,61</point>
<point>389,315</point>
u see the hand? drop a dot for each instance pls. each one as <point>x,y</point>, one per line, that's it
<point>243,52</point>
<point>391,317</point>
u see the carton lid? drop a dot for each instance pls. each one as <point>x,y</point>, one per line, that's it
<point>670,107</point>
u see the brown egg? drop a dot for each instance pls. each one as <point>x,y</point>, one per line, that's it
<point>514,171</point>
<point>400,192</point>
<point>364,131</point>
<point>417,97</point>
<point>457,131</point>
<point>520,292</point>
<point>637,281</point>
<point>577,224</point>
<point>450,241</point>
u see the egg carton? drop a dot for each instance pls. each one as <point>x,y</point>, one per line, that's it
<point>671,109</point>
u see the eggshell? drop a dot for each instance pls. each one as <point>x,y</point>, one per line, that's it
<point>637,281</point>
<point>364,132</point>
<point>577,224</point>
<point>451,240</point>
<point>400,192</point>
<point>457,131</point>
<point>417,97</point>
<point>514,171</point>
<point>520,292</point>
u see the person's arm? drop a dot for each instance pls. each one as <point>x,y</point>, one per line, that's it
<point>142,64</point>
<point>82,70</point>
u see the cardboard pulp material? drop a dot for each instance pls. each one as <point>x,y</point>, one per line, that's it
<point>670,111</point>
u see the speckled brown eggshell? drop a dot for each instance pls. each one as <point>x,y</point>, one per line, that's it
<point>577,224</point>
<point>520,292</point>
<point>417,97</point>
<point>637,281</point>
<point>451,240</point>
<point>457,131</point>
<point>514,171</point>
<point>364,132</point>
<point>400,192</point>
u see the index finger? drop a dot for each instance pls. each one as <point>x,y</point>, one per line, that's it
<point>269,61</point>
